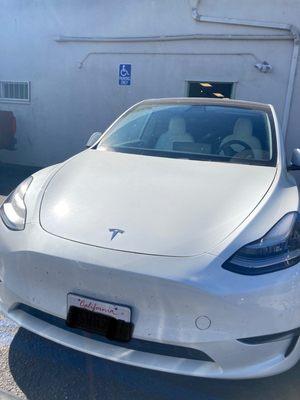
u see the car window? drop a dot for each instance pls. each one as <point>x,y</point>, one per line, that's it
<point>129,129</point>
<point>195,131</point>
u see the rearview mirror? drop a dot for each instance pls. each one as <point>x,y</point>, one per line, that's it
<point>93,139</point>
<point>295,161</point>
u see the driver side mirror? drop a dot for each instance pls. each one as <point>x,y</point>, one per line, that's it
<point>295,161</point>
<point>93,139</point>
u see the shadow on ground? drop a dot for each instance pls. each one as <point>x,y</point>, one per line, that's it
<point>12,175</point>
<point>46,370</point>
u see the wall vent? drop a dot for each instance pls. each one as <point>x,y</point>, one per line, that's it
<point>15,91</point>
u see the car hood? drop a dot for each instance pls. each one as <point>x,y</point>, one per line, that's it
<point>164,206</point>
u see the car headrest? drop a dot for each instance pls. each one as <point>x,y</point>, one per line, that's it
<point>177,125</point>
<point>243,128</point>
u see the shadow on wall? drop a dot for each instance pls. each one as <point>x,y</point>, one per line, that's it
<point>46,370</point>
<point>12,175</point>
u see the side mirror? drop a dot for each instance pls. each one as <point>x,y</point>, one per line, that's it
<point>93,139</point>
<point>295,161</point>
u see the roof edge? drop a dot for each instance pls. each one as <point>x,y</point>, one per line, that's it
<point>208,101</point>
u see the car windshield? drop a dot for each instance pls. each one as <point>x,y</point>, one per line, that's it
<point>193,131</point>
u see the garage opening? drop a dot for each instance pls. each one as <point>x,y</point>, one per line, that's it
<point>215,90</point>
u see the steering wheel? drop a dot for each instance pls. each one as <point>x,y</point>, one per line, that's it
<point>228,150</point>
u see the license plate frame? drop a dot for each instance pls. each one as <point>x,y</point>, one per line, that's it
<point>106,319</point>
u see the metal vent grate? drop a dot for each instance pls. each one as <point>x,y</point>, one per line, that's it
<point>12,90</point>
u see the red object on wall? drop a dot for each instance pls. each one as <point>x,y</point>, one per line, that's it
<point>8,127</point>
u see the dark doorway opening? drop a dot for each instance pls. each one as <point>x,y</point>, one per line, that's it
<point>215,90</point>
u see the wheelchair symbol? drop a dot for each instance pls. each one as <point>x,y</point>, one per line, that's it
<point>124,72</point>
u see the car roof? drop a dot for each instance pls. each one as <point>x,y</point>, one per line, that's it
<point>208,101</point>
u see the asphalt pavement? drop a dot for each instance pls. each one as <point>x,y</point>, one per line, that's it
<point>35,368</point>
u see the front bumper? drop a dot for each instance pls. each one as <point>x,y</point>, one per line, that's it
<point>167,295</point>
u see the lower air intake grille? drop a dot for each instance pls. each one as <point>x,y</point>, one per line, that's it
<point>135,344</point>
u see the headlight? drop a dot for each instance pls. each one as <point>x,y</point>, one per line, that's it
<point>13,210</point>
<point>278,249</point>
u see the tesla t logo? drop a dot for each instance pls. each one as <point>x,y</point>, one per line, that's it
<point>115,232</point>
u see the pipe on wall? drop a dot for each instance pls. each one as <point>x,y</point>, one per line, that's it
<point>169,38</point>
<point>294,34</point>
<point>95,53</point>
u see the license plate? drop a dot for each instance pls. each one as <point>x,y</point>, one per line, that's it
<point>106,319</point>
<point>112,310</point>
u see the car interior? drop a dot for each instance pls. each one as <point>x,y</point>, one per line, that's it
<point>228,135</point>
<point>225,132</point>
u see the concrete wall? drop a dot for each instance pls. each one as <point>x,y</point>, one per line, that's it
<point>68,102</point>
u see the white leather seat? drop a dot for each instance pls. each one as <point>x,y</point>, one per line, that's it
<point>175,133</point>
<point>243,131</point>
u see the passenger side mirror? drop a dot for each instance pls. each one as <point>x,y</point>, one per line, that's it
<point>295,161</point>
<point>93,139</point>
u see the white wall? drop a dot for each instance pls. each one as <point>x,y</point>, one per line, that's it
<point>68,103</point>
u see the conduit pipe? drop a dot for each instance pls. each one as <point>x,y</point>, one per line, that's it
<point>96,53</point>
<point>169,38</point>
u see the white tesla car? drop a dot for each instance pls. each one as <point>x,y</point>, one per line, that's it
<point>171,243</point>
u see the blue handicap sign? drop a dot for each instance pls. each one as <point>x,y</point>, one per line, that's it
<point>124,74</point>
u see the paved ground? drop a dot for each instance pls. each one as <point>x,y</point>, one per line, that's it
<point>37,369</point>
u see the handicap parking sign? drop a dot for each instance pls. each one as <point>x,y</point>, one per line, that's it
<point>124,74</point>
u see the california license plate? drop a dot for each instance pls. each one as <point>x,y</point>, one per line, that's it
<point>106,319</point>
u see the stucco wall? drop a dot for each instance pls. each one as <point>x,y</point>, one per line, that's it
<point>68,102</point>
